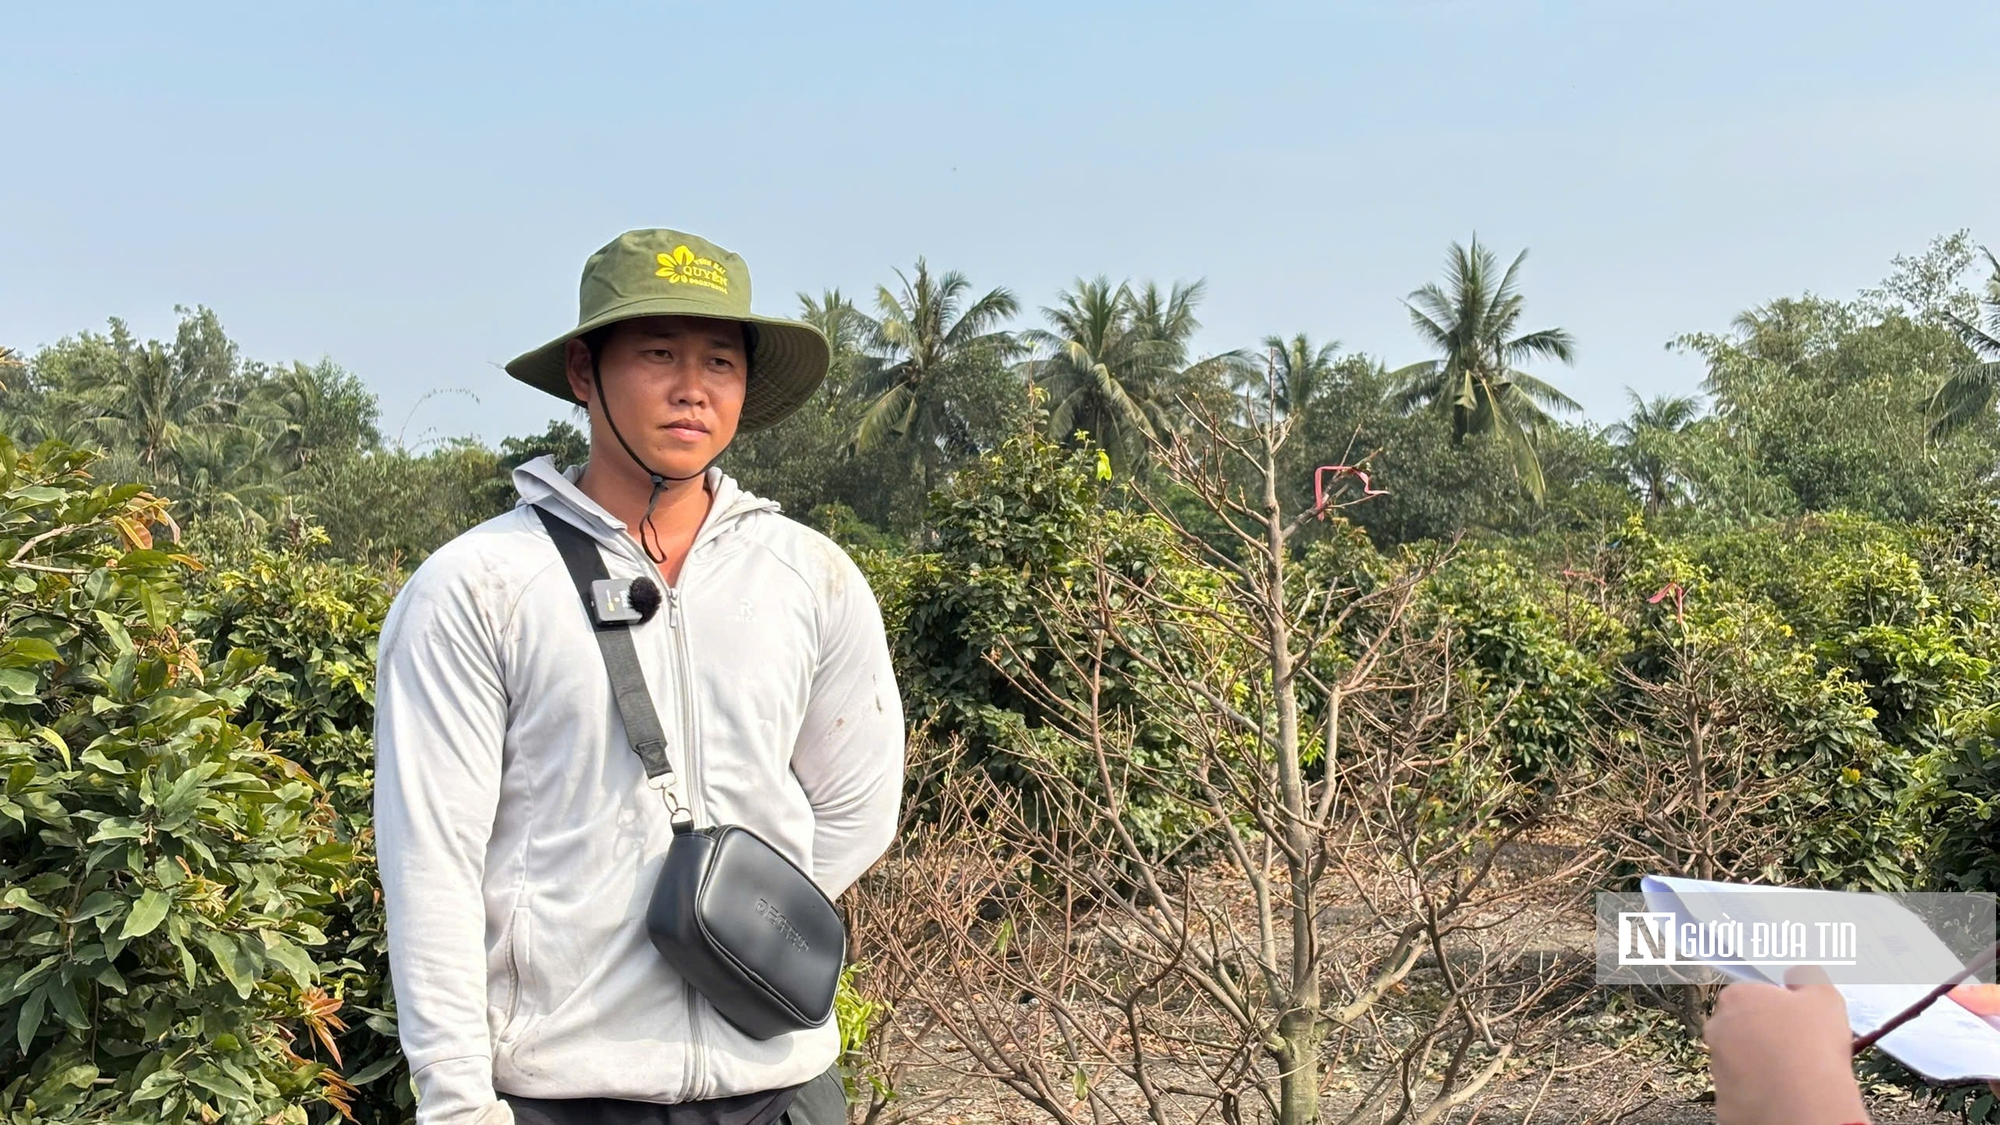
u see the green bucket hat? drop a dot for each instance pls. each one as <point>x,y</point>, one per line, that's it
<point>669,273</point>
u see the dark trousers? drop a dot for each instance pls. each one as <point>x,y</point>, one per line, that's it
<point>821,1101</point>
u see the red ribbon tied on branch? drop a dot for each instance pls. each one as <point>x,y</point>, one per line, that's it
<point>1676,592</point>
<point>1320,501</point>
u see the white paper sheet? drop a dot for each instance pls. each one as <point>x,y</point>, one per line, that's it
<point>1946,1044</point>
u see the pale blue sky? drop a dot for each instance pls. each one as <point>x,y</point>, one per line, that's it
<point>411,188</point>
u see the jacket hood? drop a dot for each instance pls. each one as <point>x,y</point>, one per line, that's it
<point>541,482</point>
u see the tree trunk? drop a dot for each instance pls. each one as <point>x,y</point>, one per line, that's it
<point>1299,1030</point>
<point>1299,1037</point>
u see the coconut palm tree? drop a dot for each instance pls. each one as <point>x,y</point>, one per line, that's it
<point>1115,362</point>
<point>1475,383</point>
<point>849,333</point>
<point>1970,391</point>
<point>229,471</point>
<point>304,412</point>
<point>925,331</point>
<point>1304,373</point>
<point>152,397</point>
<point>1642,439</point>
<point>1166,317</point>
<point>847,329</point>
<point>1101,371</point>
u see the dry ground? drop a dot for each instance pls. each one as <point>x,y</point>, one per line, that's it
<point>1658,1079</point>
<point>1618,1061</point>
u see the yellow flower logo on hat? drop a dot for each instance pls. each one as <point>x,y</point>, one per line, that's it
<point>682,267</point>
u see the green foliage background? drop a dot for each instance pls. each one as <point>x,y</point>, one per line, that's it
<point>168,874</point>
<point>189,924</point>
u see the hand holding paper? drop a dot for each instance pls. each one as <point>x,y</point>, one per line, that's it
<point>1781,1053</point>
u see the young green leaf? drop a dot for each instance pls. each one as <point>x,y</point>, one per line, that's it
<point>146,914</point>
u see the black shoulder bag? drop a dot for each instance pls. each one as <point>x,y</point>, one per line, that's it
<point>744,926</point>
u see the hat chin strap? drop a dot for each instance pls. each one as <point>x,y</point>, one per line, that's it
<point>649,536</point>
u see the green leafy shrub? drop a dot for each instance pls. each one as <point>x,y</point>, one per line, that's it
<point>1962,557</point>
<point>1850,810</point>
<point>1541,670</point>
<point>970,620</point>
<point>1968,794</point>
<point>394,507</point>
<point>1020,514</point>
<point>963,615</point>
<point>1912,617</point>
<point>166,874</point>
<point>312,623</point>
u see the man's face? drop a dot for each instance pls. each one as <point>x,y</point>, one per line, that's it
<point>674,385</point>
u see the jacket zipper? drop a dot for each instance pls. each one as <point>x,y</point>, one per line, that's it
<point>691,1002</point>
<point>684,695</point>
<point>683,681</point>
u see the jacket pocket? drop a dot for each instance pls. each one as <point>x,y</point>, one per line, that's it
<point>519,954</point>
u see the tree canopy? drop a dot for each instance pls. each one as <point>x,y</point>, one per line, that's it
<point>1882,404</point>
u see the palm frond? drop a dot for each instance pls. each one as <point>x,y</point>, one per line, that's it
<point>1503,300</point>
<point>1127,410</point>
<point>978,319</point>
<point>1549,343</point>
<point>1062,417</point>
<point>893,330</point>
<point>1416,384</point>
<point>1432,315</point>
<point>1964,398</point>
<point>847,329</point>
<point>1524,410</point>
<point>1975,337</point>
<point>1970,392</point>
<point>889,417</point>
<point>874,380</point>
<point>1541,393</point>
<point>1527,465</point>
<point>1667,412</point>
<point>1166,318</point>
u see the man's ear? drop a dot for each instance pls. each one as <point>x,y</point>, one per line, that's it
<point>576,364</point>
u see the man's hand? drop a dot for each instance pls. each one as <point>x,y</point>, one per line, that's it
<point>1783,1054</point>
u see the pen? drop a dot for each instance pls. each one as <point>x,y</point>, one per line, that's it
<point>1863,1042</point>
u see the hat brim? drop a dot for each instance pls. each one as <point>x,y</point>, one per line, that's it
<point>787,366</point>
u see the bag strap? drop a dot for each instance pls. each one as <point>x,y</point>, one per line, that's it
<point>621,660</point>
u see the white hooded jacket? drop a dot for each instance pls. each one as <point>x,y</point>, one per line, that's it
<point>517,839</point>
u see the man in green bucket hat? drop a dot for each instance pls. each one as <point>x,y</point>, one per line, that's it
<point>517,837</point>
